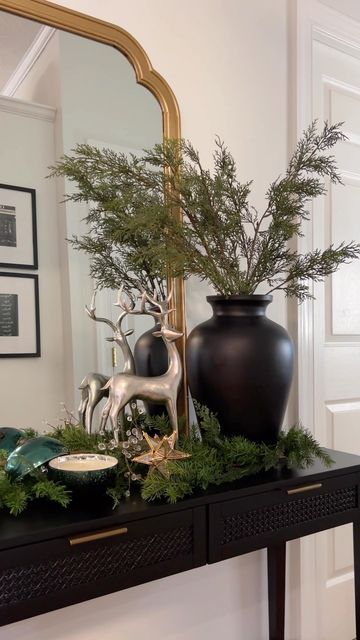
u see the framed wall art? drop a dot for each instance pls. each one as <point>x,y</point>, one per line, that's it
<point>19,315</point>
<point>18,238</point>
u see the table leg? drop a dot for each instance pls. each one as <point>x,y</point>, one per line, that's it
<point>356,534</point>
<point>276,559</point>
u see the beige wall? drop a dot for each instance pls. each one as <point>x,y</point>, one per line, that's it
<point>100,101</point>
<point>226,61</point>
<point>96,96</point>
<point>42,83</point>
<point>31,389</point>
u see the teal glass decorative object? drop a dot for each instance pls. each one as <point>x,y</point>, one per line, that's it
<point>9,438</point>
<point>33,454</point>
<point>84,471</point>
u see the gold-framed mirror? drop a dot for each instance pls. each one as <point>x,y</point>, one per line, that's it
<point>92,29</point>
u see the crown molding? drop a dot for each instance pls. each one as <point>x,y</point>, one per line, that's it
<point>336,40</point>
<point>28,60</point>
<point>28,109</point>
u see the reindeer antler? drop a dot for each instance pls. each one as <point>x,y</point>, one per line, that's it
<point>163,305</point>
<point>127,307</point>
<point>115,326</point>
<point>91,313</point>
<point>91,309</point>
<point>125,301</point>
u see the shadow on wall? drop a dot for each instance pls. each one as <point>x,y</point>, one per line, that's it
<point>197,309</point>
<point>231,596</point>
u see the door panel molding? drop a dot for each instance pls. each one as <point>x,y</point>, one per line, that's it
<point>316,23</point>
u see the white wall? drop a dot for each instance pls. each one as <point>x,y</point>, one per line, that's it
<point>226,61</point>
<point>42,83</point>
<point>31,388</point>
<point>100,97</point>
<point>100,101</point>
<point>96,96</point>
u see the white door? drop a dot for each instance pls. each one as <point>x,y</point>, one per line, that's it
<point>334,354</point>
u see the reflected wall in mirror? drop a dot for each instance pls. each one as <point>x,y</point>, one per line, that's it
<point>58,89</point>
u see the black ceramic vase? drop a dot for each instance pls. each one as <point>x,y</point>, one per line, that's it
<point>240,365</point>
<point>151,359</point>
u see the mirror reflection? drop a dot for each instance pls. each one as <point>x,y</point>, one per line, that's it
<point>56,90</point>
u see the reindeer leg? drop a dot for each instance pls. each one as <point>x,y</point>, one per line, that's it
<point>172,412</point>
<point>133,410</point>
<point>121,420</point>
<point>94,399</point>
<point>89,415</point>
<point>82,406</point>
<point>116,410</point>
<point>104,416</point>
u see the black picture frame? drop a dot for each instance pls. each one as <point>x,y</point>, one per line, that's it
<point>18,223</point>
<point>14,321</point>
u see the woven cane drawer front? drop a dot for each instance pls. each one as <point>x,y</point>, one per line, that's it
<point>287,514</point>
<point>150,549</point>
<point>242,526</point>
<point>43,578</point>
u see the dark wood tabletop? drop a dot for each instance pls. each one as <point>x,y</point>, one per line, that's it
<point>43,521</point>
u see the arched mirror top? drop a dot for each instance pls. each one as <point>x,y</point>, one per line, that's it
<point>91,28</point>
<point>80,24</point>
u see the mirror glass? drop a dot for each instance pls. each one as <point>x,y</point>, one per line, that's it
<point>57,89</point>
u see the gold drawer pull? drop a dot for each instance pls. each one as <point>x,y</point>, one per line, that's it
<point>96,535</point>
<point>307,487</point>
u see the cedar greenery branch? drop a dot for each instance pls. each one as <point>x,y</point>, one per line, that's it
<point>17,496</point>
<point>214,460</point>
<point>217,460</point>
<point>136,238</point>
<point>126,211</point>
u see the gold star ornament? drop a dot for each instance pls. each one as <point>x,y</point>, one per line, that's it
<point>160,452</point>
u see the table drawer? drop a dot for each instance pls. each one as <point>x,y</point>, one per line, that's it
<point>49,575</point>
<point>237,526</point>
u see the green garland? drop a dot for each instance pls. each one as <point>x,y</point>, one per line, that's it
<point>214,460</point>
<point>217,460</point>
<point>16,496</point>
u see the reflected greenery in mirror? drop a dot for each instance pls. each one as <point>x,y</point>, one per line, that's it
<point>126,217</point>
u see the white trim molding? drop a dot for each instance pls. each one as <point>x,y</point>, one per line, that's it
<point>27,61</point>
<point>336,41</point>
<point>28,109</point>
<point>315,22</point>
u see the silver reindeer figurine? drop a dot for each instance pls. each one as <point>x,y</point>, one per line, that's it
<point>93,386</point>
<point>163,389</point>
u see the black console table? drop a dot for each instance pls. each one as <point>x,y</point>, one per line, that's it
<point>54,558</point>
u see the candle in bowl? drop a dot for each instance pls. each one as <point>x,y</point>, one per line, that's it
<point>83,471</point>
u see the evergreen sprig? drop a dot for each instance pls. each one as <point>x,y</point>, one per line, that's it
<point>16,496</point>
<point>217,460</point>
<point>214,460</point>
<point>137,238</point>
<point>75,438</point>
<point>13,496</point>
<point>126,211</point>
